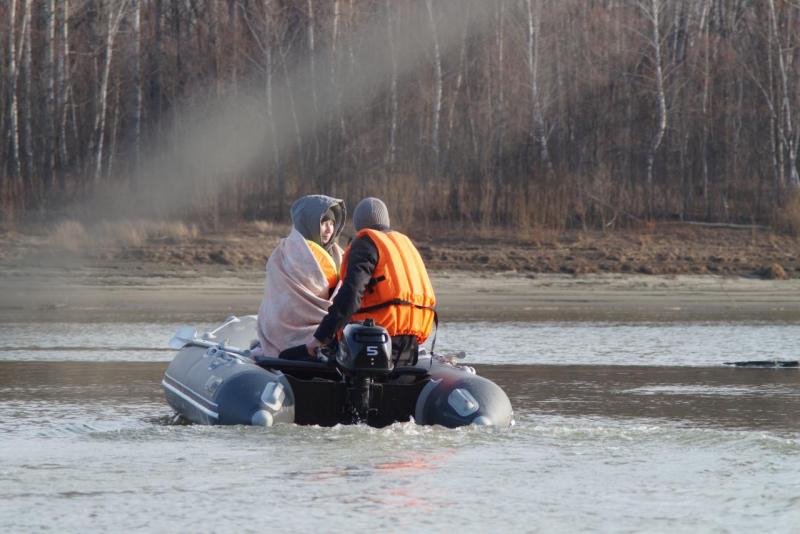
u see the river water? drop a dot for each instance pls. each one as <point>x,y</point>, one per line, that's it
<point>619,427</point>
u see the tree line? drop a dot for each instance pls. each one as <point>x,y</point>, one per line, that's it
<point>554,113</point>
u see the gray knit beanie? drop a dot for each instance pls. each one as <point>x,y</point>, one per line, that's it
<point>369,213</point>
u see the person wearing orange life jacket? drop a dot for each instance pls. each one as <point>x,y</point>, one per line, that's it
<point>383,278</point>
<point>302,275</point>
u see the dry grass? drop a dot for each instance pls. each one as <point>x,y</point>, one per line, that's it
<point>130,234</point>
<point>263,226</point>
<point>124,235</point>
<point>175,232</point>
<point>73,236</point>
<point>665,249</point>
<point>789,215</point>
<point>69,235</point>
<point>270,228</point>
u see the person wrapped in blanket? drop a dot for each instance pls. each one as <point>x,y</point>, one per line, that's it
<point>302,276</point>
<point>384,279</point>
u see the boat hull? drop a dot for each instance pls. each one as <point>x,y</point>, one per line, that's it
<point>209,384</point>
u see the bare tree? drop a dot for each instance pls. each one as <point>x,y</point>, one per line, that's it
<point>216,46</point>
<point>337,108</point>
<point>264,39</point>
<point>112,149</point>
<point>705,22</point>
<point>233,20</point>
<point>500,104</point>
<point>16,166</point>
<point>537,115</point>
<point>28,101</point>
<point>49,15</point>
<point>653,11</point>
<point>267,45</point>
<point>705,91</point>
<point>789,137</point>
<point>390,155</point>
<point>153,87</point>
<point>290,90</point>
<point>462,68</point>
<point>313,76</point>
<point>136,79</point>
<point>64,87</point>
<point>437,99</point>
<point>115,12</point>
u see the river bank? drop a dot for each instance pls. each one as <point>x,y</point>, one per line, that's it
<point>90,295</point>
<point>665,248</point>
<point>178,273</point>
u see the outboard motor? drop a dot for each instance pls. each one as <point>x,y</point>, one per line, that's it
<point>365,354</point>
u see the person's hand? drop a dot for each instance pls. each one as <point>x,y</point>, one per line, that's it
<point>312,346</point>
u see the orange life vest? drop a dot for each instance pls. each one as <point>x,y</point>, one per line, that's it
<point>326,263</point>
<point>399,296</point>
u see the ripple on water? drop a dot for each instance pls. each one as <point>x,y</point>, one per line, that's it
<point>571,473</point>
<point>615,448</point>
<point>601,343</point>
<point>761,390</point>
<point>693,344</point>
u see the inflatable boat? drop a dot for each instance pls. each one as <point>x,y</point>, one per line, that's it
<point>215,380</point>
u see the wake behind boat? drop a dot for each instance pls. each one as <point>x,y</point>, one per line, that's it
<point>213,380</point>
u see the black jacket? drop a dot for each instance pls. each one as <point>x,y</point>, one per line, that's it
<point>361,263</point>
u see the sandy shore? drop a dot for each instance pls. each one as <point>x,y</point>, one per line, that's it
<point>146,293</point>
<point>132,271</point>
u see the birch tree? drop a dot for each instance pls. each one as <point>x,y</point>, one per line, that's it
<point>64,86</point>
<point>16,165</point>
<point>49,15</point>
<point>789,136</point>
<point>233,18</point>
<point>653,13</point>
<point>28,102</point>
<point>537,116</point>
<point>705,91</point>
<point>334,72</point>
<point>292,104</point>
<point>264,39</point>
<point>115,13</point>
<point>313,76</point>
<point>500,105</point>
<point>267,47</point>
<point>705,22</point>
<point>136,79</point>
<point>390,155</point>
<point>437,98</point>
<point>462,68</point>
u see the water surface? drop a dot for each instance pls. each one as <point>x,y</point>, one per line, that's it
<point>554,343</point>
<point>606,439</point>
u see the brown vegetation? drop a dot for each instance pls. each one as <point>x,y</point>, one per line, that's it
<point>665,249</point>
<point>789,215</point>
<point>514,113</point>
<point>71,235</point>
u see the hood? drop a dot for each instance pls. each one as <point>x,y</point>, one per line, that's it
<point>307,213</point>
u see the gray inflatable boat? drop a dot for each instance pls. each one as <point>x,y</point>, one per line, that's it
<point>214,380</point>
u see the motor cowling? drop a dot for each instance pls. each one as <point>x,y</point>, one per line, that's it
<point>365,350</point>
